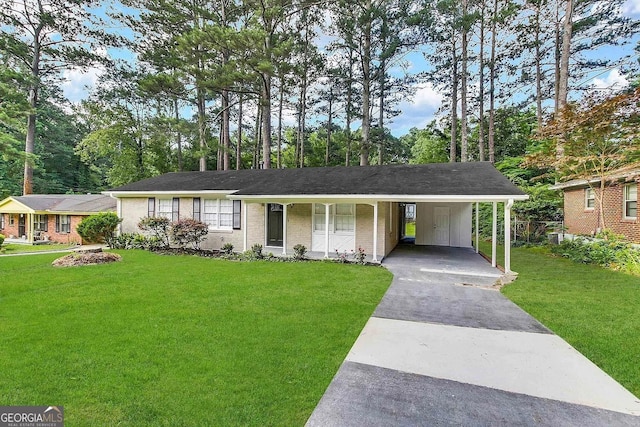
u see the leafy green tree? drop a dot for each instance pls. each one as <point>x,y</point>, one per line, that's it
<point>429,145</point>
<point>44,37</point>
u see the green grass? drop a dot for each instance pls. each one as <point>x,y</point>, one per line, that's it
<point>596,310</point>
<point>15,248</point>
<point>410,229</point>
<point>179,340</point>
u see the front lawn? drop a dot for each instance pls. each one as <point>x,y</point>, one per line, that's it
<point>596,310</point>
<point>179,340</point>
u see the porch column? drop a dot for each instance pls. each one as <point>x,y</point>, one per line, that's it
<point>326,229</point>
<point>244,227</point>
<point>29,224</point>
<point>284,228</point>
<point>375,232</point>
<point>477,227</point>
<point>494,234</point>
<point>507,236</point>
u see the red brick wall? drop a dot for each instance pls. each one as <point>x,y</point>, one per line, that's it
<point>579,220</point>
<point>72,237</point>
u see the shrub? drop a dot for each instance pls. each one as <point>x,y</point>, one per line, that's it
<point>256,251</point>
<point>227,248</point>
<point>299,251</point>
<point>99,228</point>
<point>342,257</point>
<point>1,239</point>
<point>132,241</point>
<point>360,256</point>
<point>185,231</point>
<point>158,227</point>
<point>613,254</point>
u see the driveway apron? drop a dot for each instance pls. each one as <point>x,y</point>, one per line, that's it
<point>444,347</point>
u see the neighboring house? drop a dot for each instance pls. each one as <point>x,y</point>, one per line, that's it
<point>37,218</point>
<point>325,209</point>
<point>619,203</point>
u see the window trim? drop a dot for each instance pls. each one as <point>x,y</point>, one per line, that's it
<point>1,221</point>
<point>167,213</point>
<point>60,226</point>
<point>12,220</point>
<point>625,201</point>
<point>43,219</point>
<point>587,192</point>
<point>332,219</point>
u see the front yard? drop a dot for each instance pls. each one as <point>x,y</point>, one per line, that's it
<point>596,310</point>
<point>179,340</point>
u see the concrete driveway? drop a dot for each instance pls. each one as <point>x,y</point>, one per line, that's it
<point>446,348</point>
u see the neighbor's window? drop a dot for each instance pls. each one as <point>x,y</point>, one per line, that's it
<point>218,213</point>
<point>40,222</point>
<point>631,201</point>
<point>589,198</point>
<point>11,220</point>
<point>63,224</point>
<point>165,208</point>
<point>1,221</point>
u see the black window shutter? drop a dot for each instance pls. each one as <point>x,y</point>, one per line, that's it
<point>237,207</point>
<point>151,210</point>
<point>46,223</point>
<point>196,208</point>
<point>175,214</point>
<point>57,223</point>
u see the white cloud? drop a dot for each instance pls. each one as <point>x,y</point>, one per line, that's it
<point>417,112</point>
<point>613,80</point>
<point>78,82</point>
<point>631,7</point>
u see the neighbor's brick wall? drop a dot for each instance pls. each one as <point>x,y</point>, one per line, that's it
<point>72,237</point>
<point>579,220</point>
<point>8,230</point>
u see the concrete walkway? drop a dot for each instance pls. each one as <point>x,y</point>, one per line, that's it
<point>445,348</point>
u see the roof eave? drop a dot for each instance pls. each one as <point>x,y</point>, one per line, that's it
<point>183,193</point>
<point>359,198</point>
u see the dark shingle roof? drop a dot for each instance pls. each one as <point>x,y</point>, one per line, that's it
<point>439,179</point>
<point>68,202</point>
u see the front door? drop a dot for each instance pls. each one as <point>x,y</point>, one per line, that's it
<point>274,224</point>
<point>441,226</point>
<point>21,226</point>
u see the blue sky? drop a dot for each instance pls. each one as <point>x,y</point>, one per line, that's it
<point>416,111</point>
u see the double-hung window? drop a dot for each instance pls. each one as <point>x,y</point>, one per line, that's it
<point>165,208</point>
<point>63,224</point>
<point>631,201</point>
<point>1,221</point>
<point>589,199</point>
<point>218,214</point>
<point>342,218</point>
<point>40,223</point>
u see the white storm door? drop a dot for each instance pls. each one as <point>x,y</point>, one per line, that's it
<point>441,226</point>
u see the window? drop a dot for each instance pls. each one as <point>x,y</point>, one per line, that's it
<point>165,208</point>
<point>631,201</point>
<point>40,223</point>
<point>11,220</point>
<point>589,198</point>
<point>1,221</point>
<point>342,218</point>
<point>151,207</point>
<point>218,214</point>
<point>175,209</point>
<point>63,224</point>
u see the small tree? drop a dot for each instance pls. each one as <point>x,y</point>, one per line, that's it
<point>599,137</point>
<point>99,228</point>
<point>158,226</point>
<point>187,231</point>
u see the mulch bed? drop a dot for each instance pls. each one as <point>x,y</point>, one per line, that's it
<point>86,258</point>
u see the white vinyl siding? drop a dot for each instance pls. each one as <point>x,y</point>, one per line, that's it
<point>631,201</point>
<point>218,214</point>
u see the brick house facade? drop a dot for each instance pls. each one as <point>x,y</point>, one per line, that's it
<point>43,218</point>
<point>619,205</point>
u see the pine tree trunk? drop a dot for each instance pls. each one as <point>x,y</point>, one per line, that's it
<point>481,88</point>
<point>492,83</point>
<point>239,143</point>
<point>202,130</point>
<point>464,142</point>
<point>329,124</point>
<point>266,122</point>
<point>454,102</point>
<point>30,140</point>
<point>176,116</point>
<point>366,91</point>
<point>280,107</point>
<point>226,137</point>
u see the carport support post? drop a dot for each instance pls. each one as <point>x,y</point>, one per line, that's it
<point>326,230</point>
<point>375,232</point>
<point>507,236</point>
<point>477,225</point>
<point>494,234</point>
<point>284,229</point>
